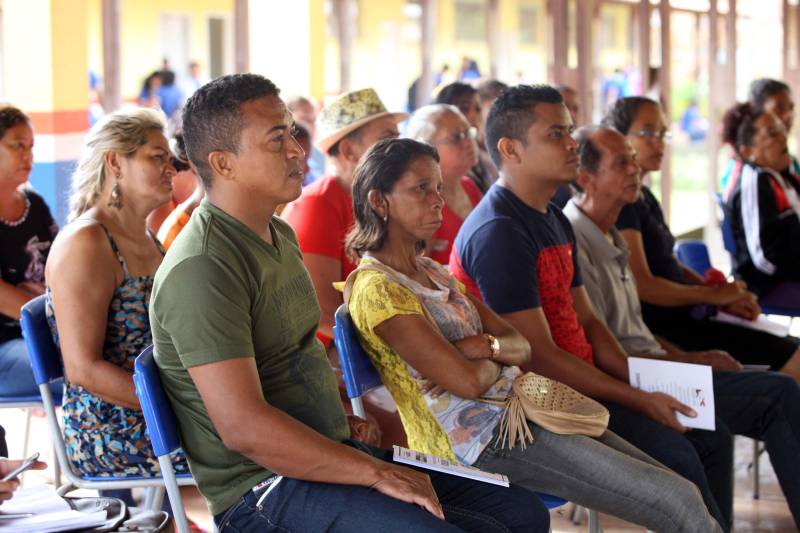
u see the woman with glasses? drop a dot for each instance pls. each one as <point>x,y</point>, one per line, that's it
<point>676,301</point>
<point>448,130</point>
<point>466,98</point>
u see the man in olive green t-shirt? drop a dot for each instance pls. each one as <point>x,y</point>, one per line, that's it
<point>234,314</point>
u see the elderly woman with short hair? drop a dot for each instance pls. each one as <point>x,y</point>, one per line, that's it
<point>444,127</point>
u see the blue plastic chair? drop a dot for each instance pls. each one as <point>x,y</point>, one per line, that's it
<point>160,420</point>
<point>361,377</point>
<point>693,254</point>
<point>48,367</point>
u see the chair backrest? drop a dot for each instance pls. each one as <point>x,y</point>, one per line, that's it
<point>158,413</point>
<point>693,254</point>
<point>360,375</point>
<point>728,238</point>
<point>44,354</point>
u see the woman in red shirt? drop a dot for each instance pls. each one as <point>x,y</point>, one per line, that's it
<point>445,127</point>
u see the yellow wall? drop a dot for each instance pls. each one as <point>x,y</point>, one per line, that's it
<point>70,54</point>
<point>94,13</point>
<point>140,40</point>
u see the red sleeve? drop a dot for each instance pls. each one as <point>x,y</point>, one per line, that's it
<point>318,224</point>
<point>472,190</point>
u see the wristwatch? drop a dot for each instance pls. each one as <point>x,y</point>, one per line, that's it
<point>494,345</point>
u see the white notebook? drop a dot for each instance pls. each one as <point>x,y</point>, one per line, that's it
<point>40,510</point>
<point>431,462</point>
<point>690,384</point>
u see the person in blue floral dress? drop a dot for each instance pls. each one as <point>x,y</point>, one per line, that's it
<point>99,277</point>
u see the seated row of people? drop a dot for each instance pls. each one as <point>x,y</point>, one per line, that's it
<point>205,332</point>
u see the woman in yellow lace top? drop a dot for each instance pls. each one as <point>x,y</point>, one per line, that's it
<point>439,349</point>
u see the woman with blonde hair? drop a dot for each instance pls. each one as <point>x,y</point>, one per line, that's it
<point>99,277</point>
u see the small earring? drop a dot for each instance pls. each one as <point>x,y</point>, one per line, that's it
<point>115,199</point>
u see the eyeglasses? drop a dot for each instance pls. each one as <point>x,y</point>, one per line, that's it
<point>456,138</point>
<point>663,135</point>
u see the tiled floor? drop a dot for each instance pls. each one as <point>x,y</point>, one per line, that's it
<point>770,513</point>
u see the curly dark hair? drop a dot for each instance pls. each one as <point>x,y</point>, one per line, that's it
<point>622,114</point>
<point>763,89</point>
<point>380,168</point>
<point>513,113</point>
<point>739,125</point>
<point>10,116</point>
<point>212,118</point>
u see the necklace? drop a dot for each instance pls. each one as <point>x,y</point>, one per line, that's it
<point>20,220</point>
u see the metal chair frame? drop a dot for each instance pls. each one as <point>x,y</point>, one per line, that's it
<point>160,420</point>
<point>48,367</point>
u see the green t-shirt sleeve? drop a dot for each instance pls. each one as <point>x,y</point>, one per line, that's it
<point>204,306</point>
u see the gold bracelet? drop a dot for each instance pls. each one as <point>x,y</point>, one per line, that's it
<point>494,345</point>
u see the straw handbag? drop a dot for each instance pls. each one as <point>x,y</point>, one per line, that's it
<point>550,404</point>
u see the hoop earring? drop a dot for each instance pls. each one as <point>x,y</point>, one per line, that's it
<point>115,198</point>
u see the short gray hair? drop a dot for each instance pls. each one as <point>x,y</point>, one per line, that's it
<point>423,124</point>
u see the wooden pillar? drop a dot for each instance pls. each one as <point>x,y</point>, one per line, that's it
<point>665,83</point>
<point>560,35</point>
<point>714,112</point>
<point>241,23</point>
<point>796,45</point>
<point>730,53</point>
<point>493,36</point>
<point>428,32</point>
<point>697,59</point>
<point>345,17</point>
<point>643,43</point>
<point>585,16</point>
<point>112,90</point>
<point>788,46</point>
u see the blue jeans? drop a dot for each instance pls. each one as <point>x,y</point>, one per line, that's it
<point>765,406</point>
<point>699,456</point>
<point>303,506</point>
<point>16,376</point>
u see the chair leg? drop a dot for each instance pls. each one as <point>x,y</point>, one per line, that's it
<point>594,522</point>
<point>577,515</point>
<point>65,489</point>
<point>56,469</point>
<point>756,487</point>
<point>174,493</point>
<point>28,415</point>
<point>153,498</point>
